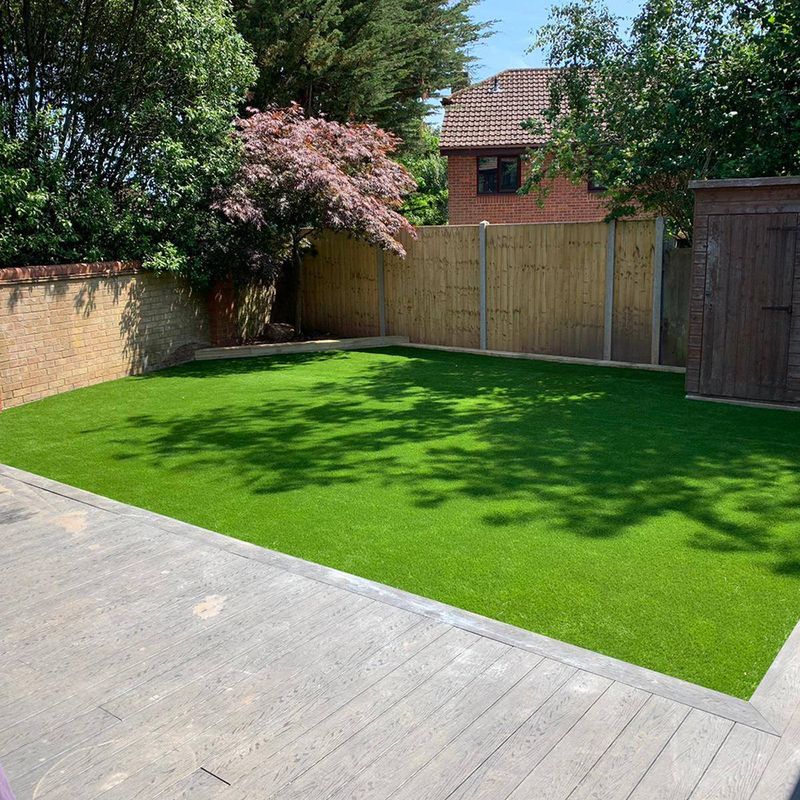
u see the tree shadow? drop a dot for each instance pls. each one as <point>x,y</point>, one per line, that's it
<point>593,451</point>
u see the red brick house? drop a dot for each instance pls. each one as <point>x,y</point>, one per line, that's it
<point>483,140</point>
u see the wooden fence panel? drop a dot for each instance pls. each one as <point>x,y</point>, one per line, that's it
<point>675,314</point>
<point>432,296</point>
<point>546,286</point>
<point>633,291</point>
<point>340,287</point>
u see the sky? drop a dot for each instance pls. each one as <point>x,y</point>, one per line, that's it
<point>515,22</point>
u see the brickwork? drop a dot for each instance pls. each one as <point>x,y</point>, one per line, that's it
<point>238,313</point>
<point>566,202</point>
<point>222,313</point>
<point>75,325</point>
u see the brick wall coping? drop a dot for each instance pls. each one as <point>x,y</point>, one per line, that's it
<point>65,272</point>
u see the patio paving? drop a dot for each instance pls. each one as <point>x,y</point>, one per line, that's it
<point>146,658</point>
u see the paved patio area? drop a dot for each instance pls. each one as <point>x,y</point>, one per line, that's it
<point>142,657</point>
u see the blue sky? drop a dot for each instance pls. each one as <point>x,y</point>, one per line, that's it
<point>513,35</point>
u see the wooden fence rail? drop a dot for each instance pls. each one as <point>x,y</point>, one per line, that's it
<point>585,290</point>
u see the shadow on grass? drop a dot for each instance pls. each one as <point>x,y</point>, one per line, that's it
<point>594,451</point>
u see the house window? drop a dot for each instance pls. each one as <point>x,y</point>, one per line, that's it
<point>498,174</point>
<point>594,185</point>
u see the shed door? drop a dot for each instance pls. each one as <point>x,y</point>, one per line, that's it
<point>748,305</point>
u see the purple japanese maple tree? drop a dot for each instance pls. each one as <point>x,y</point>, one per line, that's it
<point>300,175</point>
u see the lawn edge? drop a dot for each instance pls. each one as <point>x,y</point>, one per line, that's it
<point>777,696</point>
<point>590,362</point>
<point>772,693</point>
<point>288,348</point>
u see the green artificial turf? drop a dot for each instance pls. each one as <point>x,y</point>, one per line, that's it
<point>594,505</point>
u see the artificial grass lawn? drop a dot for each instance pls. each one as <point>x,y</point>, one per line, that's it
<point>594,505</point>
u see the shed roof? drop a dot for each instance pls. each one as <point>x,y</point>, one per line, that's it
<point>745,183</point>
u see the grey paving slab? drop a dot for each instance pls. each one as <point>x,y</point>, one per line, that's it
<point>141,657</point>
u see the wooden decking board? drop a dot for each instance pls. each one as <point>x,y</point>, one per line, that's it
<point>402,759</point>
<point>134,557</point>
<point>53,742</point>
<point>778,694</point>
<point>448,768</point>
<point>156,676</point>
<point>561,770</point>
<point>99,581</point>
<point>167,633</point>
<point>260,735</point>
<point>14,677</point>
<point>737,766</point>
<point>101,680</point>
<point>50,536</point>
<point>683,761</point>
<point>128,630</point>
<point>174,774</point>
<point>506,767</point>
<point>781,778</point>
<point>140,739</point>
<point>132,678</point>
<point>98,598</point>
<point>21,579</point>
<point>174,721</point>
<point>620,768</point>
<point>200,785</point>
<point>316,761</point>
<point>36,637</point>
<point>296,681</point>
<point>322,760</point>
<point>212,651</point>
<point>89,540</point>
<point>155,770</point>
<point>278,721</point>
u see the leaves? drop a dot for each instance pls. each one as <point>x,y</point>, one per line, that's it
<point>699,89</point>
<point>361,60</point>
<point>428,204</point>
<point>115,122</point>
<point>306,173</point>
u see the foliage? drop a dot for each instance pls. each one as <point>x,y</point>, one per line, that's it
<point>699,89</point>
<point>115,123</point>
<point>428,204</point>
<point>302,174</point>
<point>362,60</point>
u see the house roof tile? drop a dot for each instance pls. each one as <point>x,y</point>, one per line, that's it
<point>490,113</point>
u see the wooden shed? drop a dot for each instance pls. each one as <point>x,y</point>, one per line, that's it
<point>744,315</point>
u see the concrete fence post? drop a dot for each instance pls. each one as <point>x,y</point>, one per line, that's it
<point>484,320</point>
<point>658,282</point>
<point>381,293</point>
<point>608,316</point>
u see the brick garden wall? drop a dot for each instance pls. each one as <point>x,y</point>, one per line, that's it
<point>74,325</point>
<point>238,314</point>
<point>565,203</point>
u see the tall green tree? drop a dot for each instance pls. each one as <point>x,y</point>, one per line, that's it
<point>359,60</point>
<point>697,89</point>
<point>115,125</point>
<point>428,204</point>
